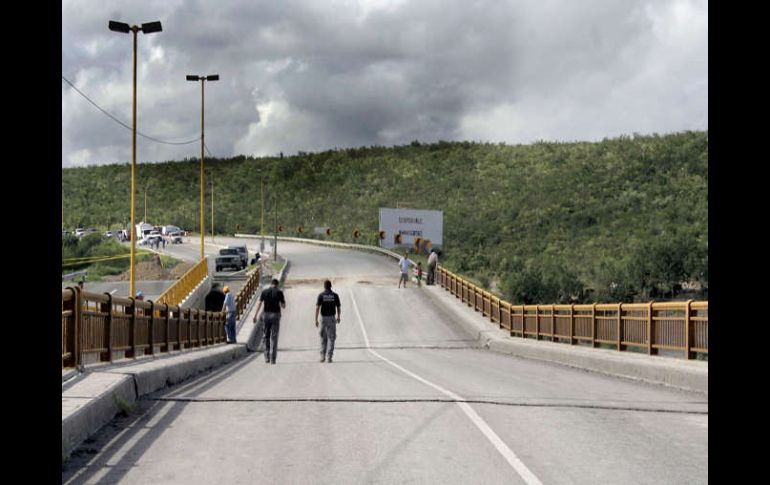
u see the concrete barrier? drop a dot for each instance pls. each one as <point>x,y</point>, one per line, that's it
<point>90,404</point>
<point>690,375</point>
<point>97,397</point>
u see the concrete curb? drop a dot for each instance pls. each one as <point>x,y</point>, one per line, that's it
<point>90,405</point>
<point>633,366</point>
<point>96,399</point>
<point>155,375</point>
<point>682,374</point>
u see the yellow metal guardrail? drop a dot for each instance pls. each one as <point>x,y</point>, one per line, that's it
<point>678,325</point>
<point>177,292</point>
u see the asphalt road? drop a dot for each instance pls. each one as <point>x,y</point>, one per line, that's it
<point>408,399</point>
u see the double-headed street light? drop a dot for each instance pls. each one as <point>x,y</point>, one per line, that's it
<point>148,28</point>
<point>202,79</point>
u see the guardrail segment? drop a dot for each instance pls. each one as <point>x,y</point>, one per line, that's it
<point>99,327</point>
<point>176,293</point>
<point>680,326</point>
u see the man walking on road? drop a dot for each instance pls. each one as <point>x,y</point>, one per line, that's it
<point>229,307</point>
<point>273,299</point>
<point>404,264</point>
<point>328,301</point>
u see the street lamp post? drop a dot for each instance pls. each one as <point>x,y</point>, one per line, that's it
<point>275,240</point>
<point>147,28</point>
<point>202,79</point>
<point>212,206</point>
<point>145,201</point>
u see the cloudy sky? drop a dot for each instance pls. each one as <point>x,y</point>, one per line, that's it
<point>313,75</point>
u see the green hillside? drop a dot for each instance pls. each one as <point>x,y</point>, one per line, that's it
<point>617,220</point>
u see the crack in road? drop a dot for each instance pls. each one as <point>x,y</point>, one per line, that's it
<point>428,400</point>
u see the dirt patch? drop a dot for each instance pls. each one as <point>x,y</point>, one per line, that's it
<point>180,269</point>
<point>152,271</point>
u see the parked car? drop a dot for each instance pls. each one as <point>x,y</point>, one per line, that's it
<point>229,258</point>
<point>169,230</point>
<point>150,239</point>
<point>243,251</point>
<point>79,231</point>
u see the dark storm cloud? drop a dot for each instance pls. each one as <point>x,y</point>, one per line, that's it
<point>310,75</point>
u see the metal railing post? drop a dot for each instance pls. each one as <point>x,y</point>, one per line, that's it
<point>572,324</point>
<point>537,322</point>
<point>132,327</point>
<point>78,328</point>
<point>107,307</point>
<point>168,327</point>
<point>650,330</point>
<point>593,325</point>
<point>620,327</point>
<point>206,324</point>
<point>179,313</point>
<point>687,331</point>
<point>71,327</point>
<point>151,332</point>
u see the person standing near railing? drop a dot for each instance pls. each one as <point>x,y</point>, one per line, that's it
<point>432,264</point>
<point>229,307</point>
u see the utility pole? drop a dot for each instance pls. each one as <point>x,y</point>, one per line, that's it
<point>262,213</point>
<point>275,240</point>
<point>212,206</point>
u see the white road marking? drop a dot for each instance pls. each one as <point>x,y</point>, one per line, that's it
<point>513,460</point>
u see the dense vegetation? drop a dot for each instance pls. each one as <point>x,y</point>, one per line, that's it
<point>617,220</point>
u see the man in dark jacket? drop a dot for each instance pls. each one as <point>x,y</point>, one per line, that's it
<point>214,299</point>
<point>327,304</point>
<point>273,299</point>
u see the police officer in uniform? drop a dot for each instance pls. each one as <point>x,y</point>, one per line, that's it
<point>328,301</point>
<point>273,299</point>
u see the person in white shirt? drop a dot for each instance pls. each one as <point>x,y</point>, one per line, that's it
<point>404,264</point>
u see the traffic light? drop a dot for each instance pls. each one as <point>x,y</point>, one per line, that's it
<point>237,227</point>
<point>382,234</point>
<point>356,234</point>
<point>397,238</point>
<point>299,229</point>
<point>328,231</point>
<point>417,243</point>
<point>280,228</point>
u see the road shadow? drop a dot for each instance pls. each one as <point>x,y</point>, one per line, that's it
<point>128,437</point>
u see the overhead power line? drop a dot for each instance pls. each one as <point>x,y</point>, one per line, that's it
<point>125,125</point>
